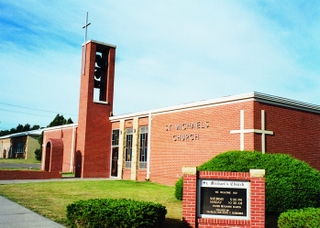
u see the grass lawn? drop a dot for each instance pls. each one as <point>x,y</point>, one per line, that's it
<point>18,161</point>
<point>51,198</point>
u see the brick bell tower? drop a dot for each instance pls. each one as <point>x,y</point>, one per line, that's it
<point>92,157</point>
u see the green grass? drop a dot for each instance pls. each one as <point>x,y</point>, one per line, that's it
<point>17,169</point>
<point>19,161</point>
<point>51,198</point>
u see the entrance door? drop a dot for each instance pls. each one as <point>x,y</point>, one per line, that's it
<point>78,159</point>
<point>114,165</point>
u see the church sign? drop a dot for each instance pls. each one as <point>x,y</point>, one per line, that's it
<point>224,199</point>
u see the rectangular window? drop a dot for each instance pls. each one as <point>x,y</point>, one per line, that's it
<point>115,138</point>
<point>128,152</point>
<point>19,148</point>
<point>143,147</point>
<point>115,150</point>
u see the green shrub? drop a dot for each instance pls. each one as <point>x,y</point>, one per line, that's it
<point>115,213</point>
<point>290,183</point>
<point>307,217</point>
<point>178,192</point>
<point>38,154</point>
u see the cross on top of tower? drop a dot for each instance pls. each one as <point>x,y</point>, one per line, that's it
<point>85,27</point>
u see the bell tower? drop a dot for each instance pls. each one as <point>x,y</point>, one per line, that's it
<point>92,158</point>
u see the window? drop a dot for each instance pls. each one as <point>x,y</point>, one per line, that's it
<point>128,152</point>
<point>143,147</point>
<point>19,148</point>
<point>115,138</point>
<point>115,150</point>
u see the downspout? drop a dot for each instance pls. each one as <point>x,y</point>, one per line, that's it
<point>149,147</point>
<point>72,148</point>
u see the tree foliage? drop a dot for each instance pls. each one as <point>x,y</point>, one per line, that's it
<point>60,120</point>
<point>19,128</point>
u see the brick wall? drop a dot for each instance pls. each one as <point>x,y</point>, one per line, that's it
<point>295,132</point>
<point>169,156</point>
<point>257,200</point>
<point>22,175</point>
<point>65,134</point>
<point>94,128</point>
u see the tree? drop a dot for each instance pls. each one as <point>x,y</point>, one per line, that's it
<point>59,120</point>
<point>19,128</point>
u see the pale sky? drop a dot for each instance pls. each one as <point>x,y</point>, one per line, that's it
<point>168,53</point>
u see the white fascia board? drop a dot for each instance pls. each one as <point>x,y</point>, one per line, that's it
<point>257,96</point>
<point>60,127</point>
<point>186,106</point>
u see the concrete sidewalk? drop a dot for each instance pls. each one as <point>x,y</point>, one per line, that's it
<point>14,215</point>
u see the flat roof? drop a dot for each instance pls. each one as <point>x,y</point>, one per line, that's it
<point>256,96</point>
<point>38,132</point>
<point>25,133</point>
<point>102,43</point>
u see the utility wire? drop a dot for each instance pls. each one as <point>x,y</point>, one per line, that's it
<point>41,110</point>
<point>25,113</point>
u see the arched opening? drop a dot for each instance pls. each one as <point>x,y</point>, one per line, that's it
<point>47,157</point>
<point>78,159</point>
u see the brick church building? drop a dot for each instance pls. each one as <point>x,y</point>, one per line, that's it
<point>155,145</point>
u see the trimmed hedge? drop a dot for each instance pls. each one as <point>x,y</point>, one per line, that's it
<point>115,213</point>
<point>307,217</point>
<point>290,183</point>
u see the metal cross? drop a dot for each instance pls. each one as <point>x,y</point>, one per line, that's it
<point>85,27</point>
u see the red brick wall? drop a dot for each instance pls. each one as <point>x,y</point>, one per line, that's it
<point>295,132</point>
<point>94,128</point>
<point>65,134</point>
<point>257,201</point>
<point>126,175</point>
<point>116,125</point>
<point>141,174</point>
<point>168,156</point>
<point>22,175</point>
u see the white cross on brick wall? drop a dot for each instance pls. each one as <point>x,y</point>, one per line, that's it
<point>261,131</point>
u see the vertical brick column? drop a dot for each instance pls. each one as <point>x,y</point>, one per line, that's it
<point>189,208</point>
<point>257,198</point>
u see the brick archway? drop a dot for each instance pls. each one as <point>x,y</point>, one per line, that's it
<point>54,155</point>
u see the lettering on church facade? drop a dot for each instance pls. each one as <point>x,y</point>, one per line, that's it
<point>184,127</point>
